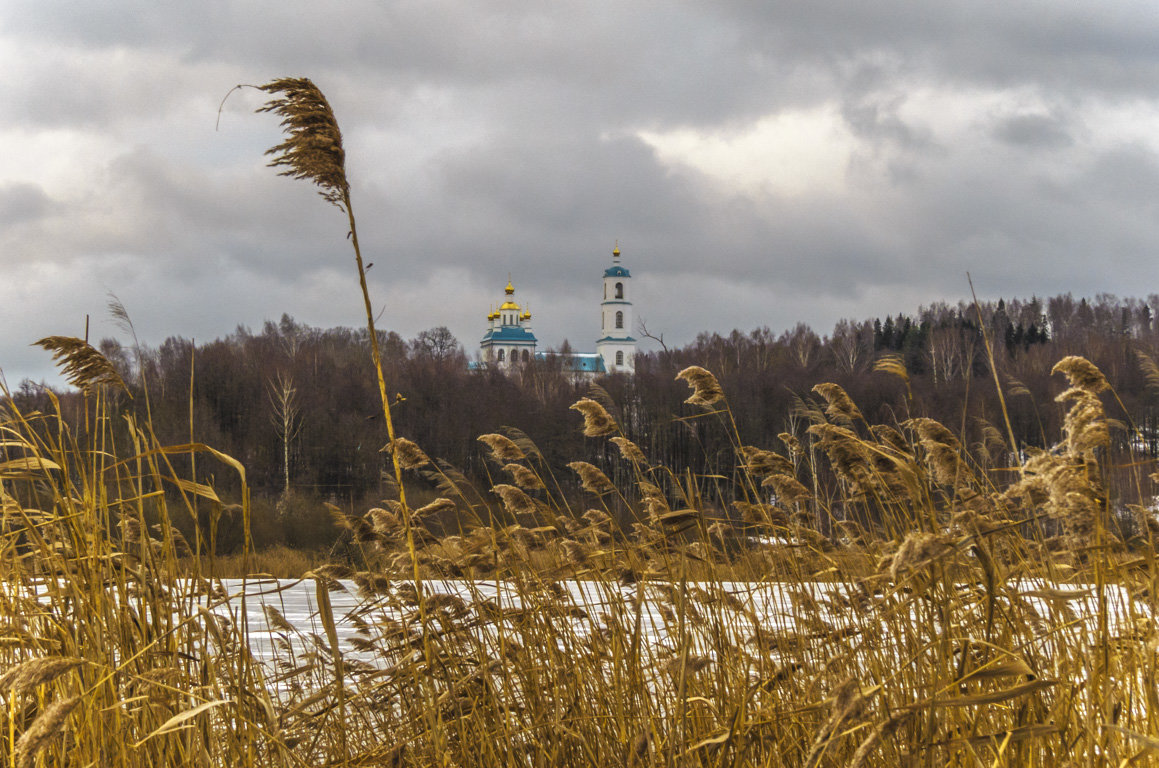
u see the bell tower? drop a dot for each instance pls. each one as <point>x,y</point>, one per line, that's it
<point>616,345</point>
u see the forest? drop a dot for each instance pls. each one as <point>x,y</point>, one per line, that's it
<point>297,405</point>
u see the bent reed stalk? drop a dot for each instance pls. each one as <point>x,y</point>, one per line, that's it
<point>313,151</point>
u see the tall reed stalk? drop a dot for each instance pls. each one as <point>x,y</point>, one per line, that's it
<point>313,151</point>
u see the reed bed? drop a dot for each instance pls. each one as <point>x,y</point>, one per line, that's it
<point>942,619</point>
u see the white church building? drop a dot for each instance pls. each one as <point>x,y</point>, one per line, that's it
<point>509,340</point>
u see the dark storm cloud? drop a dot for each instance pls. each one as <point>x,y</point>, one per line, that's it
<point>562,195</point>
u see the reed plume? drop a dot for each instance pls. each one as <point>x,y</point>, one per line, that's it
<point>503,448</point>
<point>761,514</point>
<point>409,455</point>
<point>929,430</point>
<point>1082,373</point>
<point>655,503</point>
<point>1015,388</point>
<point>629,450</point>
<point>592,478</point>
<point>791,442</point>
<point>1149,369</point>
<point>48,725</point>
<point>847,454</point>
<point>840,407</point>
<point>523,441</point>
<point>1085,423</point>
<point>516,501</point>
<point>787,488</point>
<point>891,438</point>
<point>82,365</point>
<point>313,147</point>
<point>941,447</point>
<point>30,674</point>
<point>705,388</point>
<point>597,421</point>
<point>917,550</point>
<point>759,462</point>
<point>523,477</point>
<point>439,506</point>
<point>892,364</point>
<point>882,732</point>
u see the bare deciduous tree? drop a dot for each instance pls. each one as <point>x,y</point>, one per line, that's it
<point>852,343</point>
<point>283,397</point>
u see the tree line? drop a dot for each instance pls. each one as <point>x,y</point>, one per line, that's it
<point>298,405</point>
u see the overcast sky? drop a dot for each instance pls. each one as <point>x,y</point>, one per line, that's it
<point>759,163</point>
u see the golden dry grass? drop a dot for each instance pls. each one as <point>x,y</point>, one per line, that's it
<point>943,619</point>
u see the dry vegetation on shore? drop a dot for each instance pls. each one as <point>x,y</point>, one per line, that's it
<point>945,620</point>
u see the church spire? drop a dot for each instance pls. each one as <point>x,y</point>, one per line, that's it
<point>616,345</point>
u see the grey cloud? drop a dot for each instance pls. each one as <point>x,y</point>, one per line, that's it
<point>1034,131</point>
<point>1125,176</point>
<point>541,207</point>
<point>1068,46</point>
<point>22,203</point>
<point>876,119</point>
<point>484,139</point>
<point>686,63</point>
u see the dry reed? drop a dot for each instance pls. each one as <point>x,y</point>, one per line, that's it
<point>597,421</point>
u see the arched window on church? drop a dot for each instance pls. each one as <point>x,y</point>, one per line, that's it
<point>619,358</point>
<point>501,355</point>
<point>526,356</point>
<point>619,290</point>
<point>619,319</point>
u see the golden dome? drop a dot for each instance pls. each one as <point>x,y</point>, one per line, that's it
<point>510,289</point>
<point>509,305</point>
<point>525,316</point>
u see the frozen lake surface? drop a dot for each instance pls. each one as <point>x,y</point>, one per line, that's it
<point>583,607</point>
